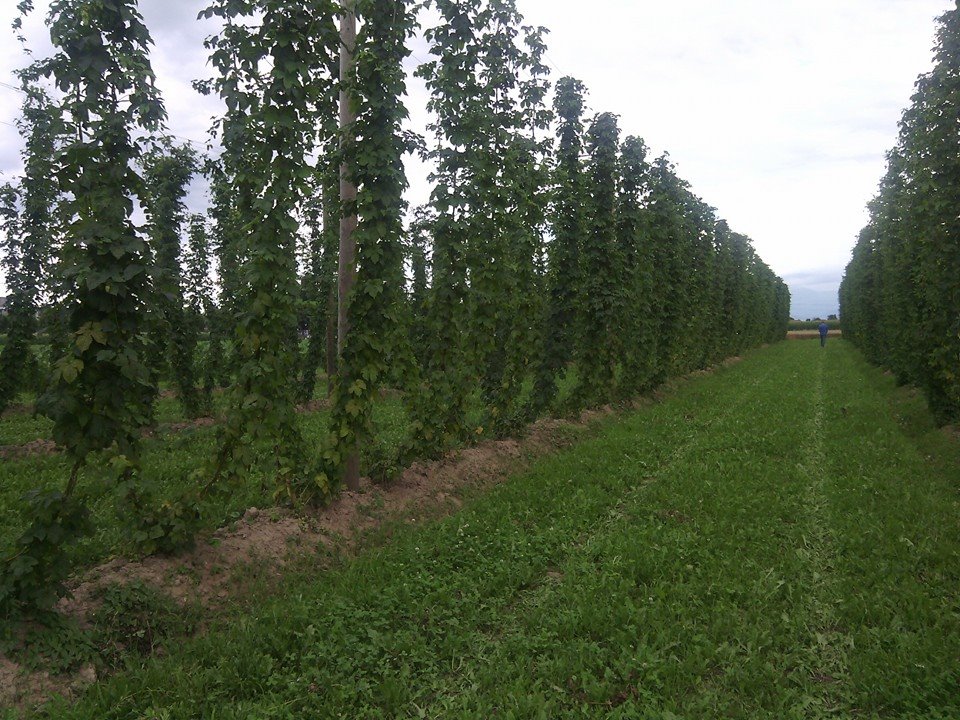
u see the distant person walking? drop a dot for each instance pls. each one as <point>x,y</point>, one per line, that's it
<point>824,329</point>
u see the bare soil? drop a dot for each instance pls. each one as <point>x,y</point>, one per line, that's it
<point>20,689</point>
<point>29,449</point>
<point>17,409</point>
<point>179,426</point>
<point>314,405</point>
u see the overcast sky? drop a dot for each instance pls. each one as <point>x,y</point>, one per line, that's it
<point>778,112</point>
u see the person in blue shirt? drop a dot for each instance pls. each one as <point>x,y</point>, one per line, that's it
<point>823,333</point>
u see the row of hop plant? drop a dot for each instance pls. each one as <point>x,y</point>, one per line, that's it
<point>537,255</point>
<point>900,295</point>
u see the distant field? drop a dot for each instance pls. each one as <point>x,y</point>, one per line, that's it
<point>812,324</point>
<point>811,334</point>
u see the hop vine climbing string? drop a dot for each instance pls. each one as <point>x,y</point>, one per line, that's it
<point>100,393</point>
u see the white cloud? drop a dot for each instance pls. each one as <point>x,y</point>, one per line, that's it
<point>778,112</point>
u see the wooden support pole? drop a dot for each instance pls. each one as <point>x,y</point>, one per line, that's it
<point>347,269</point>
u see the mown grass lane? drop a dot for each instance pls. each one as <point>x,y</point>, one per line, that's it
<point>770,541</point>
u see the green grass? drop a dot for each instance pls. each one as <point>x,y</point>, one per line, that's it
<point>778,540</point>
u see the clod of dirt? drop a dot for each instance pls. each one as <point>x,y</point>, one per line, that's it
<point>87,675</point>
<point>314,405</point>
<point>674,515</point>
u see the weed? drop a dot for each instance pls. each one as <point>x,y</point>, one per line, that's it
<point>59,646</point>
<point>134,618</point>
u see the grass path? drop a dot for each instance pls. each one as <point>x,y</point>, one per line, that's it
<point>771,541</point>
<point>827,643</point>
